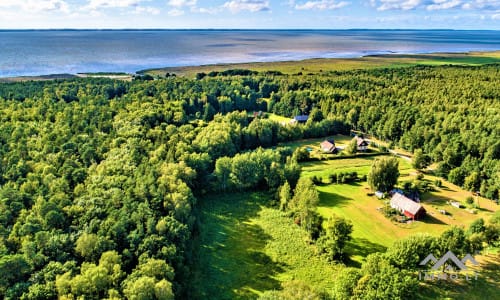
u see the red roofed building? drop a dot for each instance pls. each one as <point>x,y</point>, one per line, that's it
<point>408,207</point>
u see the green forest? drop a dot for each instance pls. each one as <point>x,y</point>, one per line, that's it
<point>102,181</point>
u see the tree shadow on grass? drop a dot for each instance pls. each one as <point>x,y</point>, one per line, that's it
<point>361,247</point>
<point>229,260</point>
<point>428,219</point>
<point>328,199</point>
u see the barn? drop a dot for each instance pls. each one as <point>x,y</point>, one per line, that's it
<point>407,206</point>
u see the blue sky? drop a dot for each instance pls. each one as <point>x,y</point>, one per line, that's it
<point>328,14</point>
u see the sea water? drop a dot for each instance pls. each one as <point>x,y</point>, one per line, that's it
<point>41,52</point>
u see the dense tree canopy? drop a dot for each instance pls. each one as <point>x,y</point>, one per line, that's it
<point>99,177</point>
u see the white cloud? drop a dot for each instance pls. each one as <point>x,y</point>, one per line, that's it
<point>431,5</point>
<point>321,5</point>
<point>147,9</point>
<point>398,4</point>
<point>178,6</point>
<point>36,5</point>
<point>482,4</point>
<point>440,4</point>
<point>95,7</point>
<point>236,6</point>
<point>181,3</point>
<point>96,4</point>
<point>205,10</point>
<point>175,12</point>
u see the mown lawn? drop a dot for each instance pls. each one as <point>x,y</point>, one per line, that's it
<point>372,231</point>
<point>278,118</point>
<point>245,247</point>
<point>313,145</point>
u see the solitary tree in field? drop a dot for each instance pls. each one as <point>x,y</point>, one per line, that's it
<point>384,174</point>
<point>337,234</point>
<point>303,206</point>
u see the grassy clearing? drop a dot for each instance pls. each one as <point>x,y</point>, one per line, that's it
<point>245,247</point>
<point>313,146</point>
<point>318,66</point>
<point>340,140</point>
<point>372,231</point>
<point>278,118</point>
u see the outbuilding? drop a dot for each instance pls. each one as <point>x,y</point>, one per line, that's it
<point>406,206</point>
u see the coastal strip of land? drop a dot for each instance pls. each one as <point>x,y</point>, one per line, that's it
<point>308,66</point>
<point>320,65</point>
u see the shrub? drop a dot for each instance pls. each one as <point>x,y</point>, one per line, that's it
<point>317,180</point>
<point>333,178</point>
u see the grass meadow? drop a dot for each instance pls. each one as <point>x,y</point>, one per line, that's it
<point>318,66</point>
<point>244,245</point>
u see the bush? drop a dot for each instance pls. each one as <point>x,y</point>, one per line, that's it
<point>438,183</point>
<point>469,200</point>
<point>301,154</point>
<point>333,178</point>
<point>317,180</point>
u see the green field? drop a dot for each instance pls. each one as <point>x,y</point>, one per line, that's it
<point>245,247</point>
<point>313,146</point>
<point>278,118</point>
<point>318,66</point>
<point>372,231</point>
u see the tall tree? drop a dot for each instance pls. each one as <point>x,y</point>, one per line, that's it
<point>285,195</point>
<point>223,171</point>
<point>420,160</point>
<point>352,147</point>
<point>384,174</point>
<point>337,233</point>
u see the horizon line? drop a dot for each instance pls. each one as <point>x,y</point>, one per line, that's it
<point>238,29</point>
